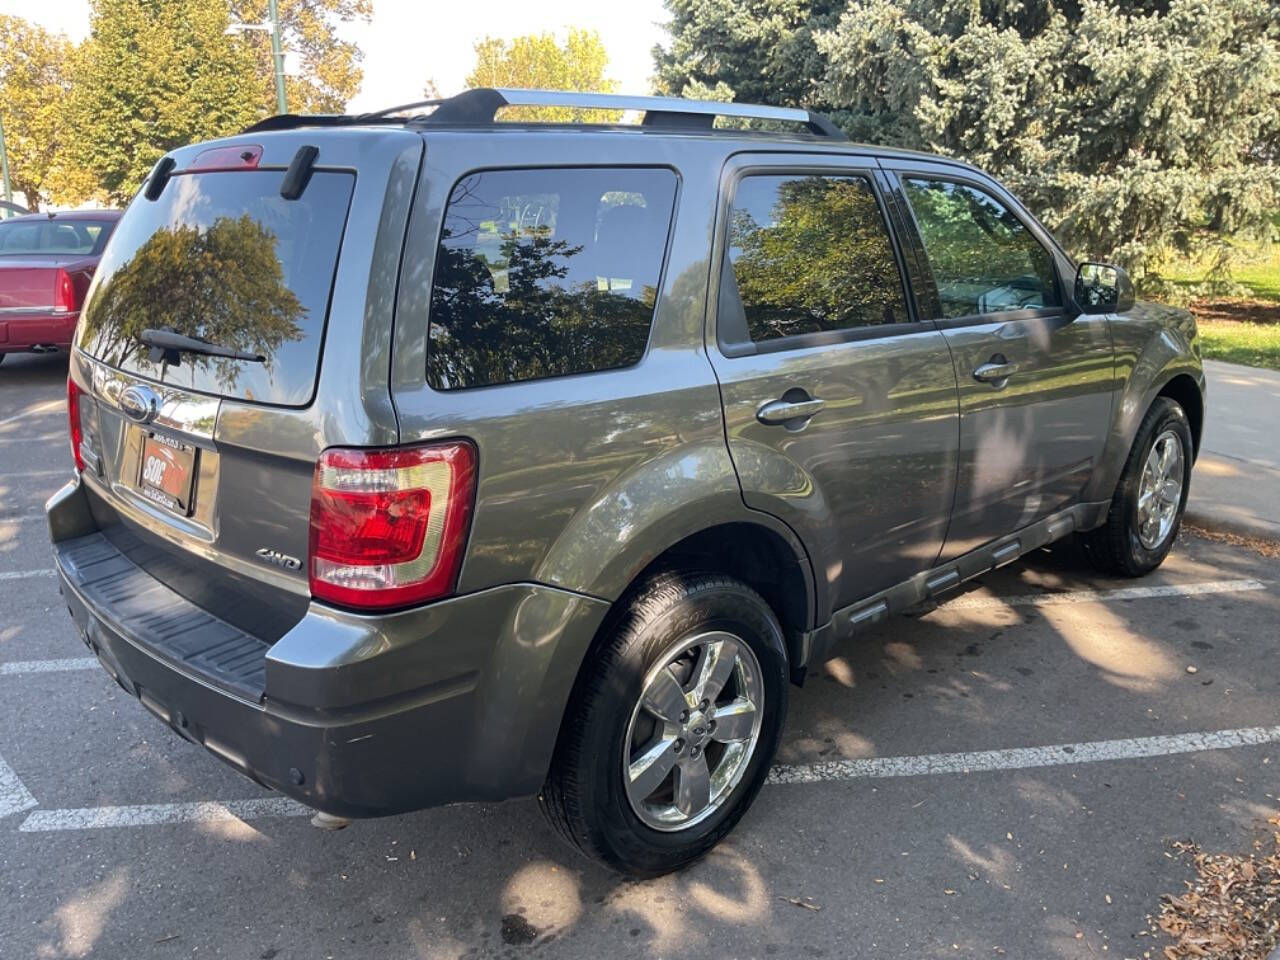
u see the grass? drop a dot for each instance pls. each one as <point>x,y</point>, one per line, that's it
<point>1236,341</point>
<point>1244,331</point>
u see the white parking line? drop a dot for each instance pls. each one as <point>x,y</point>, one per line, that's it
<point>1020,758</point>
<point>22,517</point>
<point>27,474</point>
<point>155,814</point>
<point>1101,596</point>
<point>38,438</point>
<point>38,408</point>
<point>23,574</point>
<point>1023,758</point>
<point>48,666</point>
<point>14,796</point>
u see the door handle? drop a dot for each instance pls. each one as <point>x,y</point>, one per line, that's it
<point>995,370</point>
<point>783,412</point>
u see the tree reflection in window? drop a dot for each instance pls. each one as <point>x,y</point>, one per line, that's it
<point>543,273</point>
<point>222,284</point>
<point>983,259</point>
<point>812,254</point>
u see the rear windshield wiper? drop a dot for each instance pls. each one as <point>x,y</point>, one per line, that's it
<point>167,341</point>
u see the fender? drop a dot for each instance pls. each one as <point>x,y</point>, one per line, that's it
<point>1153,345</point>
<point>648,510</point>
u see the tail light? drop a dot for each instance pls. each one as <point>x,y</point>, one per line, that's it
<point>388,527</point>
<point>64,293</point>
<point>73,416</point>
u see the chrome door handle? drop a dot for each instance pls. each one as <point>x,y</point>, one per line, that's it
<point>996,370</point>
<point>781,412</point>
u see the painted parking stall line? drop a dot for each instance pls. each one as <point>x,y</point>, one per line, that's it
<point>159,814</point>
<point>31,411</point>
<point>1023,758</point>
<point>1103,596</point>
<point>14,796</point>
<point>25,574</point>
<point>48,666</point>
<point>1018,758</point>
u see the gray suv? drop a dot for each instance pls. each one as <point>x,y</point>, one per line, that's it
<point>426,458</point>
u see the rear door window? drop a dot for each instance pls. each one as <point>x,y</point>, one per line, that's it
<point>984,259</point>
<point>807,254</point>
<point>547,272</point>
<point>222,257</point>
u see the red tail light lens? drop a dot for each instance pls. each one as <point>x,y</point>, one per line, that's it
<point>73,416</point>
<point>64,293</point>
<point>388,527</point>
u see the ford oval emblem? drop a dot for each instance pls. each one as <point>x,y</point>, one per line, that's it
<point>140,404</point>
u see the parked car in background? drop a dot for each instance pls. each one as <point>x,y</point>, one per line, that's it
<point>430,459</point>
<point>46,263</point>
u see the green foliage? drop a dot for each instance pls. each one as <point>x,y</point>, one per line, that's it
<point>330,68</point>
<point>538,62</point>
<point>34,81</point>
<point>1134,130</point>
<point>154,75</point>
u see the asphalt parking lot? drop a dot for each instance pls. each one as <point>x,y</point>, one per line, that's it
<point>999,776</point>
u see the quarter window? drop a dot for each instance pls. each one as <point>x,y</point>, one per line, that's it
<point>543,273</point>
<point>984,259</point>
<point>807,254</point>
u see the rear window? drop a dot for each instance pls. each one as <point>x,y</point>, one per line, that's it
<point>53,237</point>
<point>543,273</point>
<point>222,257</point>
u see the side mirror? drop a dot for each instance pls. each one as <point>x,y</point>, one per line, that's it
<point>1103,288</point>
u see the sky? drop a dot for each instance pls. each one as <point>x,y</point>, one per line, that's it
<point>409,41</point>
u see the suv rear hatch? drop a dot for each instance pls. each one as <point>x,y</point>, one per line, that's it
<point>200,453</point>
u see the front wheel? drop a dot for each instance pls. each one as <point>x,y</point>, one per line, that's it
<point>1146,509</point>
<point>671,728</point>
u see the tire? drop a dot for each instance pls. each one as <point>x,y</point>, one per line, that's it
<point>589,797</point>
<point>1123,546</point>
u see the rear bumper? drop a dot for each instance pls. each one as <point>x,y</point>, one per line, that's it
<point>355,716</point>
<point>21,331</point>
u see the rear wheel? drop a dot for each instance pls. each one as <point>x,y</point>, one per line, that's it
<point>1146,509</point>
<point>671,728</point>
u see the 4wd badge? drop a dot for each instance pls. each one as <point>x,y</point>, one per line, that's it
<point>279,559</point>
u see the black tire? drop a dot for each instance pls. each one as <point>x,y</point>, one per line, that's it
<point>1115,547</point>
<point>584,796</point>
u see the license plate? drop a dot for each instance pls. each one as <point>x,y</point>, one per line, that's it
<point>168,467</point>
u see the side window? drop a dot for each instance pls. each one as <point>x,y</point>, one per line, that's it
<point>547,272</point>
<point>807,254</point>
<point>984,260</point>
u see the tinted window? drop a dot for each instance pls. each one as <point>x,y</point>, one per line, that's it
<point>224,258</point>
<point>984,260</point>
<point>542,273</point>
<point>75,237</point>
<point>808,254</point>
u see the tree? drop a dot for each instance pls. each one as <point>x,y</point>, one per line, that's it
<point>34,82</point>
<point>330,74</point>
<point>1134,129</point>
<point>153,75</point>
<point>538,62</point>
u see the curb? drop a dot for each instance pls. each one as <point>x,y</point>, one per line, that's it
<point>1254,529</point>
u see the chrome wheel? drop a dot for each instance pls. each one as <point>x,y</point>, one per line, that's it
<point>1160,491</point>
<point>692,734</point>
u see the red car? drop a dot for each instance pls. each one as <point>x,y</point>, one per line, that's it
<point>46,263</point>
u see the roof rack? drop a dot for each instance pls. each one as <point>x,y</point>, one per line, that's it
<point>480,107</point>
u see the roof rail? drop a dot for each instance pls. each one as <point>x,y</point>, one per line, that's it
<point>480,107</point>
